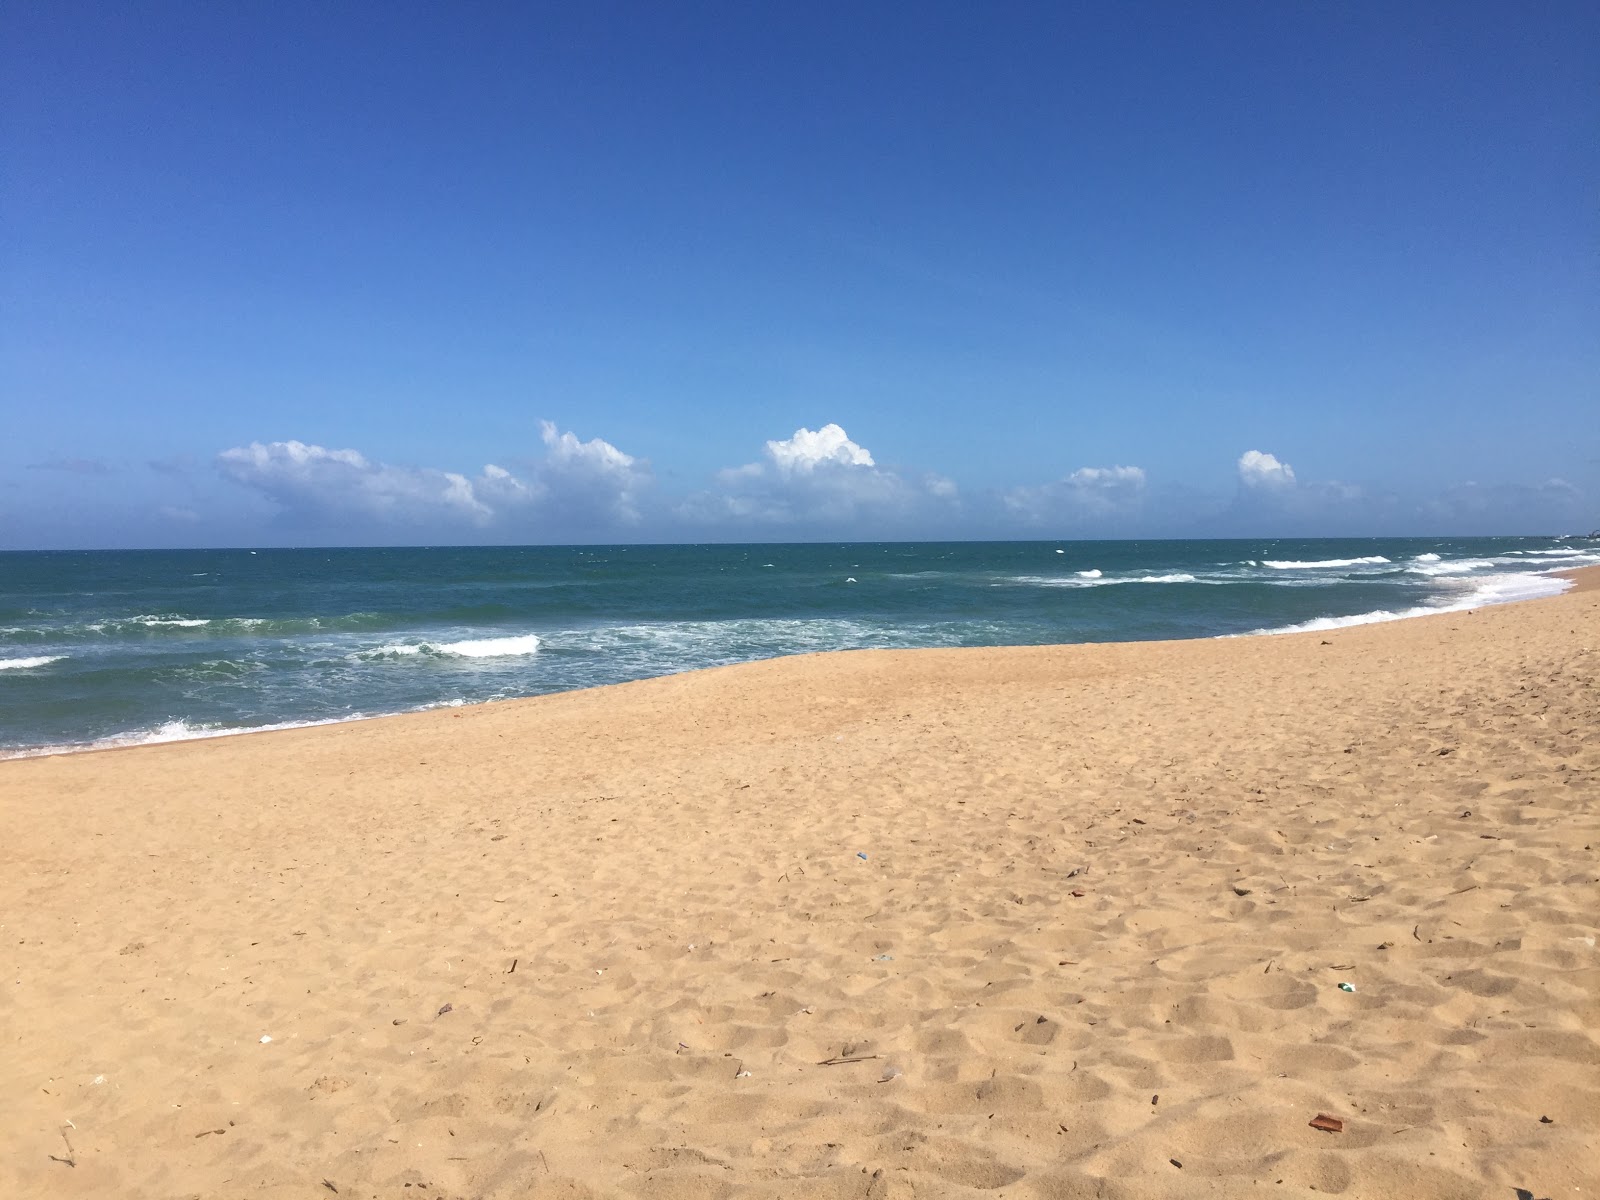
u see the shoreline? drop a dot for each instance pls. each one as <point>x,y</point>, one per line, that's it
<point>1047,920</point>
<point>1579,579</point>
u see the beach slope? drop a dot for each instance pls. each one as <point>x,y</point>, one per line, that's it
<point>1111,920</point>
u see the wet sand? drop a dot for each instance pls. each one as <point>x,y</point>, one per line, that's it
<point>1113,920</point>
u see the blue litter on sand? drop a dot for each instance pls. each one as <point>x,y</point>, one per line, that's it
<point>861,855</point>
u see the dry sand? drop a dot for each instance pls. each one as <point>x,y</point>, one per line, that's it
<point>1088,908</point>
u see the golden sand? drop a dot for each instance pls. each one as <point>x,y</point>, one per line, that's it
<point>1076,921</point>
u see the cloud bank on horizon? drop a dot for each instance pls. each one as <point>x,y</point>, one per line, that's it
<point>814,484</point>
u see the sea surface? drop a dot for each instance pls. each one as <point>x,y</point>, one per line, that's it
<point>112,648</point>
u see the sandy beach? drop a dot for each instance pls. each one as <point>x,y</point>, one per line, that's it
<point>1107,920</point>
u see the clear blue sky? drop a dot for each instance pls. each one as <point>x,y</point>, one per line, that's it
<point>299,273</point>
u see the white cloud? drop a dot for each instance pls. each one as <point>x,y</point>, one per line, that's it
<point>809,449</point>
<point>312,480</point>
<point>1088,492</point>
<point>1258,470</point>
<point>577,485</point>
<point>1102,478</point>
<point>593,478</point>
<point>819,477</point>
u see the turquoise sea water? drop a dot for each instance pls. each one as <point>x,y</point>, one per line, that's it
<point>111,647</point>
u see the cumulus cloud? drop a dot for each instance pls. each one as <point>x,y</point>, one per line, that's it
<point>1258,470</point>
<point>1272,500</point>
<point>821,478</point>
<point>809,450</point>
<point>592,477</point>
<point>1087,493</point>
<point>577,484</point>
<point>312,480</point>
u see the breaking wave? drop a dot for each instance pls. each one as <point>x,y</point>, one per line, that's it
<point>27,664</point>
<point>1325,563</point>
<point>168,731</point>
<point>501,647</point>
<point>1087,579</point>
<point>1490,589</point>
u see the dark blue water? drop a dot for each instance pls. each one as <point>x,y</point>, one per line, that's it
<point>117,647</point>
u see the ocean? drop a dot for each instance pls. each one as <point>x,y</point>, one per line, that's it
<point>110,648</point>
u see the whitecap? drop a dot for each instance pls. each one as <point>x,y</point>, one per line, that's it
<point>491,647</point>
<point>470,648</point>
<point>1459,567</point>
<point>178,730</point>
<point>1090,574</point>
<point>26,664</point>
<point>1486,590</point>
<point>1290,565</point>
<point>1096,579</point>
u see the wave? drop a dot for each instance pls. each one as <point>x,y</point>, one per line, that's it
<point>178,730</point>
<point>1489,589</point>
<point>27,664</point>
<point>500,647</point>
<point>1320,564</point>
<point>1459,567</point>
<point>1097,579</point>
<point>172,621</point>
<point>155,625</point>
<point>1426,558</point>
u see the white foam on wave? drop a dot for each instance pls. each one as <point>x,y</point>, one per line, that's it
<point>1459,567</point>
<point>660,648</point>
<point>179,730</point>
<point>492,647</point>
<point>27,664</point>
<point>1426,558</point>
<point>175,622</point>
<point>500,647</point>
<point>1486,590</point>
<point>1097,579</point>
<point>1325,563</point>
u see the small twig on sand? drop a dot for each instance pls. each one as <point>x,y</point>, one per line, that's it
<point>840,1059</point>
<point>72,1155</point>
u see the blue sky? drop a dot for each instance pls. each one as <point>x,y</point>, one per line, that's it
<point>335,274</point>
